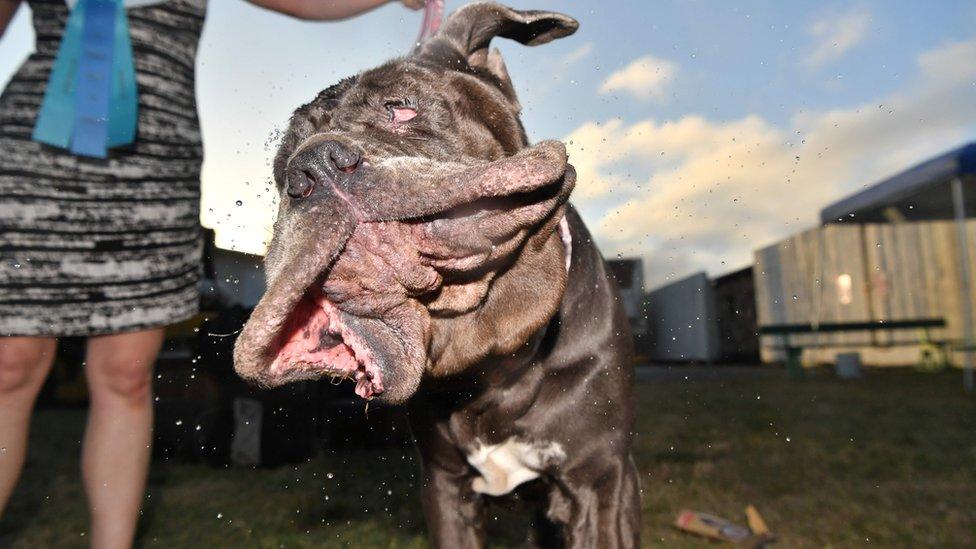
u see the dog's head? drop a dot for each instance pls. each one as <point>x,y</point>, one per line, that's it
<point>416,228</point>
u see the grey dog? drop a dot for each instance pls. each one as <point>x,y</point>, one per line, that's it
<point>425,251</point>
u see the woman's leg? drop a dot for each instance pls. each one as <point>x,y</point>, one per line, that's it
<point>115,454</point>
<point>24,364</point>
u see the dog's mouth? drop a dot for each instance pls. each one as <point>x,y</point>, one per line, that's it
<point>351,318</point>
<point>317,342</point>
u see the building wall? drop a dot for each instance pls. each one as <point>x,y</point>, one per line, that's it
<point>735,312</point>
<point>681,321</point>
<point>628,273</point>
<point>862,273</point>
<point>239,276</point>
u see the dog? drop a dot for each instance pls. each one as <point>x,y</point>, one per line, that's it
<point>426,251</point>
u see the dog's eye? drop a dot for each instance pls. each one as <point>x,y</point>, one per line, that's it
<point>400,112</point>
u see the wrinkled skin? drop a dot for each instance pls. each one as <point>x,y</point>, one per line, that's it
<point>416,252</point>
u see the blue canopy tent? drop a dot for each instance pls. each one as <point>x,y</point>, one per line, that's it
<point>939,189</point>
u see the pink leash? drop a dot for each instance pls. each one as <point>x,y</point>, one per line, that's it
<point>433,14</point>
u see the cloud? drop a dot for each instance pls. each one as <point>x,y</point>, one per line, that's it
<point>645,78</point>
<point>577,55</point>
<point>836,34</point>
<point>694,193</point>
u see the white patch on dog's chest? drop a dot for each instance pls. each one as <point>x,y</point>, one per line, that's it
<point>504,466</point>
<point>567,238</point>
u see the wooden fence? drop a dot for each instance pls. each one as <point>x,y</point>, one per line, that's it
<point>863,273</point>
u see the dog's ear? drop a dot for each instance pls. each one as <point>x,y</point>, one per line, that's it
<point>496,66</point>
<point>470,29</point>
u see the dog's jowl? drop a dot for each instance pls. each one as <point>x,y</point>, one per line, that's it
<point>426,251</point>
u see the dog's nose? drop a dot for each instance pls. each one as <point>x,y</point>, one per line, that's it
<point>317,164</point>
<point>345,159</point>
<point>301,182</point>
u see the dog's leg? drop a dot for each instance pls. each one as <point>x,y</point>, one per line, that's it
<point>599,509</point>
<point>455,513</point>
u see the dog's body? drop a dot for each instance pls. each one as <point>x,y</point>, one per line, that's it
<point>426,251</point>
<point>563,411</point>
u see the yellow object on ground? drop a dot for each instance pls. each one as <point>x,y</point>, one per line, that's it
<point>711,526</point>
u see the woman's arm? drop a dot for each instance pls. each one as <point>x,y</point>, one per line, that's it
<point>7,10</point>
<point>325,10</point>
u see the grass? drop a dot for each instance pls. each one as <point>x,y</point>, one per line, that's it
<point>888,461</point>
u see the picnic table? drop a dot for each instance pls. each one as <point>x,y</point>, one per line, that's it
<point>794,349</point>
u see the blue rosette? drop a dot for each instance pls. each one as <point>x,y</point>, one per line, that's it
<point>91,100</point>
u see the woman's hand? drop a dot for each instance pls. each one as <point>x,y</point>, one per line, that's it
<point>325,10</point>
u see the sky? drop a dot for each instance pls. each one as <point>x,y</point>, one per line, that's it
<point>701,131</point>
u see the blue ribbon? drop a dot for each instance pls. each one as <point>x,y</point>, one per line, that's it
<point>125,101</point>
<point>93,80</point>
<point>91,101</point>
<point>57,114</point>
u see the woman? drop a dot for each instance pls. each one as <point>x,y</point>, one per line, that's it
<point>105,248</point>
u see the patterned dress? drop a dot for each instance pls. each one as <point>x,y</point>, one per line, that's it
<point>91,246</point>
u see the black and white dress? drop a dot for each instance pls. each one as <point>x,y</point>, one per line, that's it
<point>91,246</point>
